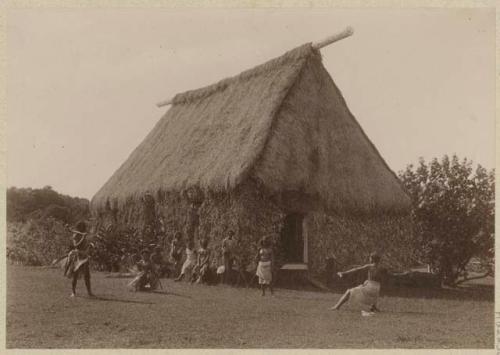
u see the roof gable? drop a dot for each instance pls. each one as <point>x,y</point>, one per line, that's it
<point>319,149</point>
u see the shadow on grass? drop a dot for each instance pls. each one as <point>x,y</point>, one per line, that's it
<point>112,299</point>
<point>471,293</point>
<point>170,293</point>
<point>414,313</point>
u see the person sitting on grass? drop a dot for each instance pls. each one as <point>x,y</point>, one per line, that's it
<point>157,261</point>
<point>134,260</point>
<point>366,294</point>
<point>190,262</point>
<point>201,271</point>
<point>78,259</point>
<point>265,260</point>
<point>146,280</point>
<point>124,260</point>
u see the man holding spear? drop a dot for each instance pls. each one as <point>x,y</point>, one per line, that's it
<point>78,260</point>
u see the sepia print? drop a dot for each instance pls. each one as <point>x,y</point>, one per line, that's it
<point>313,178</point>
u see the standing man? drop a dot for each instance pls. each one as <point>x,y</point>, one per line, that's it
<point>176,252</point>
<point>77,262</point>
<point>228,245</point>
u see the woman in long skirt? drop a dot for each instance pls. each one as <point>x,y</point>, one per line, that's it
<point>176,251</point>
<point>366,294</point>
<point>190,263</point>
<point>201,269</point>
<point>265,258</point>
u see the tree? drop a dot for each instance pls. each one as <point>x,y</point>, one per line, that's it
<point>27,203</point>
<point>453,215</point>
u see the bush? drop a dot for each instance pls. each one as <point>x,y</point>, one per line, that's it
<point>37,242</point>
<point>453,215</point>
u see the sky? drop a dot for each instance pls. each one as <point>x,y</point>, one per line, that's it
<point>82,84</point>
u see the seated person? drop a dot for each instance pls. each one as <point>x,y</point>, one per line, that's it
<point>190,262</point>
<point>146,280</point>
<point>157,261</point>
<point>201,270</point>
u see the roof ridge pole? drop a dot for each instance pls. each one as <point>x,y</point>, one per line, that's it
<point>164,103</point>
<point>348,31</point>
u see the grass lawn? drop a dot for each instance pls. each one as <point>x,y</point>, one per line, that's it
<point>41,315</point>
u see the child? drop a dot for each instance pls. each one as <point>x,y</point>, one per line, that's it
<point>190,262</point>
<point>265,259</point>
<point>367,293</point>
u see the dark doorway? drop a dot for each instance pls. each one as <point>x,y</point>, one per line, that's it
<point>293,239</point>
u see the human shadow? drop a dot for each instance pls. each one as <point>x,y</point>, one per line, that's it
<point>412,313</point>
<point>471,293</point>
<point>169,293</point>
<point>112,299</point>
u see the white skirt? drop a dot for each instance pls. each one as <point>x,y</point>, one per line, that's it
<point>264,272</point>
<point>188,266</point>
<point>366,294</point>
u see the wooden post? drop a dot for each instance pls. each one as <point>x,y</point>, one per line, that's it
<point>164,103</point>
<point>336,37</point>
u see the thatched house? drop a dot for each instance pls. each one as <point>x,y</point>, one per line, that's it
<point>272,151</point>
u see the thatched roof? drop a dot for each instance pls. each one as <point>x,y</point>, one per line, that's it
<point>284,123</point>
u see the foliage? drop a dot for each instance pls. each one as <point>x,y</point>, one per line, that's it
<point>111,243</point>
<point>453,215</point>
<point>27,203</point>
<point>37,241</point>
<point>36,224</point>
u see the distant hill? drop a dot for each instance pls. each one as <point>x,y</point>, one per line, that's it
<point>27,203</point>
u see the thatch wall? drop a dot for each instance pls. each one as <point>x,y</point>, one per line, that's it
<point>246,210</point>
<point>350,240</point>
<point>252,214</point>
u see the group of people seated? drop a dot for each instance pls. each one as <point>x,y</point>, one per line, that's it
<point>186,262</point>
<point>197,262</point>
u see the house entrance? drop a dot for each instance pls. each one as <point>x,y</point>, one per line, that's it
<point>292,238</point>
